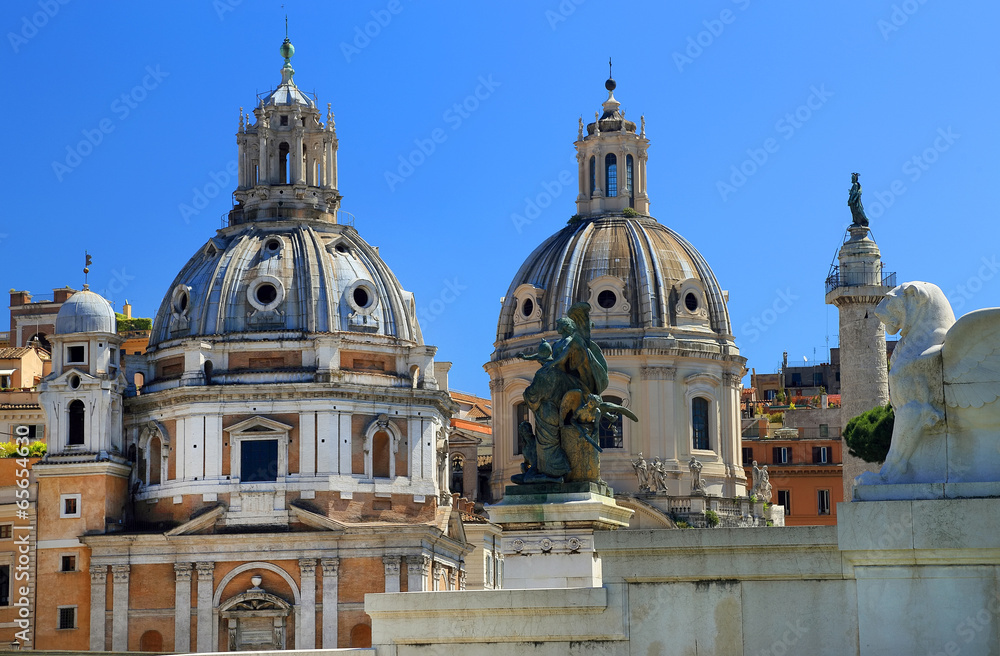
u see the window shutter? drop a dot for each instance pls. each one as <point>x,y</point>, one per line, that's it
<point>817,454</point>
<point>776,454</point>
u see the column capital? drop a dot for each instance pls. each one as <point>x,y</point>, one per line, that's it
<point>206,571</point>
<point>331,567</point>
<point>391,564</point>
<point>182,571</point>
<point>307,566</point>
<point>98,573</point>
<point>120,573</point>
<point>421,563</point>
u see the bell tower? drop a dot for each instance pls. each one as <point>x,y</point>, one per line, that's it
<point>612,161</point>
<point>287,156</point>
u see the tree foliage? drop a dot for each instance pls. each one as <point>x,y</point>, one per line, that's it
<point>869,434</point>
<point>136,323</point>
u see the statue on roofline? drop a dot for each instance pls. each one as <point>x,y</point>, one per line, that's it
<point>565,399</point>
<point>854,202</point>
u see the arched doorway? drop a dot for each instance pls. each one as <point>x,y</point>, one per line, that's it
<point>255,620</point>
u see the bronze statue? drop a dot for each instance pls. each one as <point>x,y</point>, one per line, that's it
<point>565,399</point>
<point>854,202</point>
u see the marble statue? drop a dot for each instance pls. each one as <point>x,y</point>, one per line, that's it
<point>659,476</point>
<point>641,472</point>
<point>565,399</point>
<point>579,132</point>
<point>697,485</point>
<point>755,480</point>
<point>765,486</point>
<point>854,202</point>
<point>944,381</point>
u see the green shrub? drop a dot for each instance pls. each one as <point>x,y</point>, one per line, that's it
<point>712,517</point>
<point>869,434</point>
<point>682,524</point>
<point>136,323</point>
<point>629,212</point>
<point>36,449</point>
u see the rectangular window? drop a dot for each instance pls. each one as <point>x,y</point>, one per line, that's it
<point>4,585</point>
<point>68,564</point>
<point>817,379</point>
<point>69,505</point>
<point>782,455</point>
<point>520,415</point>
<point>258,461</point>
<point>785,499</point>
<point>284,120</point>
<point>747,455</point>
<point>796,379</point>
<point>67,617</point>
<point>821,455</point>
<point>5,382</point>
<point>6,531</point>
<point>824,430</point>
<point>76,354</point>
<point>699,423</point>
<point>823,501</point>
<point>611,430</point>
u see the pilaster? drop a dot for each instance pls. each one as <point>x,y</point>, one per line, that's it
<point>182,607</point>
<point>119,607</point>
<point>305,630</point>
<point>418,570</point>
<point>391,565</point>
<point>206,580</point>
<point>98,606</point>
<point>331,571</point>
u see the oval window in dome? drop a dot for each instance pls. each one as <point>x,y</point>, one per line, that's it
<point>74,382</point>
<point>341,248</point>
<point>607,299</point>
<point>691,302</point>
<point>181,299</point>
<point>361,297</point>
<point>527,307</point>
<point>266,294</point>
<point>273,245</point>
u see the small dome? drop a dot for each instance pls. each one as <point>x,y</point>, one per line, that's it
<point>654,264</point>
<point>85,312</point>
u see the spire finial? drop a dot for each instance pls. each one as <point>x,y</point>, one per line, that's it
<point>86,269</point>
<point>286,24</point>
<point>609,68</point>
<point>610,84</point>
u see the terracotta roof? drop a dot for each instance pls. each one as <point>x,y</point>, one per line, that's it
<point>12,353</point>
<point>473,426</point>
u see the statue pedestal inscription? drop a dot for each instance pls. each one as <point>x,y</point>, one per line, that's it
<point>548,533</point>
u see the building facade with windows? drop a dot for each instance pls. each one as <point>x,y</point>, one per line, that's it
<point>659,316</point>
<point>283,450</point>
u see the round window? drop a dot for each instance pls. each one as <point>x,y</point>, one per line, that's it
<point>527,307</point>
<point>607,299</point>
<point>341,248</point>
<point>74,382</point>
<point>266,293</point>
<point>181,299</point>
<point>361,297</point>
<point>273,245</point>
<point>691,302</point>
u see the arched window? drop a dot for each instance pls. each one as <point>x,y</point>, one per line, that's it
<point>209,368</point>
<point>76,423</point>
<point>699,422</point>
<point>611,175</point>
<point>630,190</point>
<point>283,168</point>
<point>593,174</point>
<point>457,473</point>
<point>611,429</point>
<point>520,414</point>
<point>154,461</point>
<point>361,636</point>
<point>381,453</point>
<point>151,641</point>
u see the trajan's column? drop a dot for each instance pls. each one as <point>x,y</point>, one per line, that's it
<point>855,286</point>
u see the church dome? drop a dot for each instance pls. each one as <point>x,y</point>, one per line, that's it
<point>635,272</point>
<point>283,276</point>
<point>85,312</point>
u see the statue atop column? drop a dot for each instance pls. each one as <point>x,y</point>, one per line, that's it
<point>854,202</point>
<point>565,399</point>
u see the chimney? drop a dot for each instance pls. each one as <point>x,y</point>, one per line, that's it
<point>127,309</point>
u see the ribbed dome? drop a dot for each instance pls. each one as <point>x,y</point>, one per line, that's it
<point>85,312</point>
<point>281,276</point>
<point>649,258</point>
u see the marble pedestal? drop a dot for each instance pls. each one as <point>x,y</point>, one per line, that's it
<point>926,573</point>
<point>548,533</point>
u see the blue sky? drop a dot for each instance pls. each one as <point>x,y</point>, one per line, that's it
<point>903,92</point>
